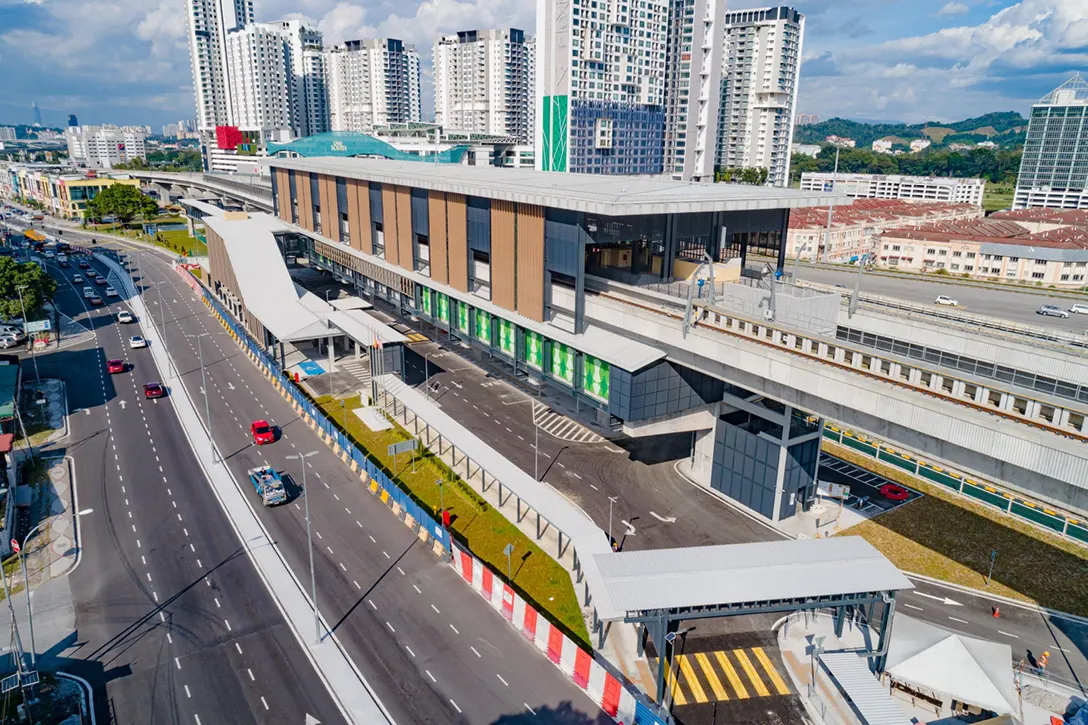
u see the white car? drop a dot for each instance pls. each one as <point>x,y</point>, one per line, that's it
<point>111,292</point>
<point>136,341</point>
<point>125,317</point>
<point>88,293</point>
<point>1079,309</point>
<point>946,301</point>
<point>77,279</point>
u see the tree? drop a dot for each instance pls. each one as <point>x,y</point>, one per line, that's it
<point>122,201</point>
<point>755,176</point>
<point>38,287</point>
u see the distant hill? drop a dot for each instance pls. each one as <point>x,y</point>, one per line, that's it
<point>1006,128</point>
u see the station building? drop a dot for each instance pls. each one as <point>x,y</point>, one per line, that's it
<point>488,254</point>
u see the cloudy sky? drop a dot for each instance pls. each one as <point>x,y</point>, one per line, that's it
<point>126,61</point>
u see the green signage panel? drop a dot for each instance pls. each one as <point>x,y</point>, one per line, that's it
<point>444,308</point>
<point>507,337</point>
<point>534,350</point>
<point>462,317</point>
<point>483,326</point>
<point>556,129</point>
<point>595,378</point>
<point>425,297</point>
<point>563,363</point>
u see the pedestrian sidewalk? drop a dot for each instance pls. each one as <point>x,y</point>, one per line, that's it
<point>54,549</point>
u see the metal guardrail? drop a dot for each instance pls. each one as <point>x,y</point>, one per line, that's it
<point>978,322</point>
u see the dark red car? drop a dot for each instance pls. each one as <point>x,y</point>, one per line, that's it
<point>101,280</point>
<point>84,264</point>
<point>154,390</point>
<point>115,366</point>
<point>96,301</point>
<point>262,432</point>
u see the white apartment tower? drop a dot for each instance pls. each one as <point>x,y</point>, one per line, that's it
<point>481,82</point>
<point>1054,166</point>
<point>372,83</point>
<point>530,114</point>
<point>693,67</point>
<point>103,147</point>
<point>257,65</point>
<point>600,85</point>
<point>209,21</point>
<point>760,72</point>
<point>305,58</point>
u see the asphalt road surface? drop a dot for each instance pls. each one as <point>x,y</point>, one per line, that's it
<point>172,622</point>
<point>432,650</point>
<point>1006,304</point>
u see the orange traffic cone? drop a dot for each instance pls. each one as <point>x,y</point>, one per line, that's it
<point>997,612</point>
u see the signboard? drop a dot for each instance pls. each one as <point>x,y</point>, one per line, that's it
<point>595,378</point>
<point>834,490</point>
<point>563,363</point>
<point>483,326</point>
<point>462,317</point>
<point>444,308</point>
<point>402,447</point>
<point>507,337</point>
<point>39,326</point>
<point>534,350</point>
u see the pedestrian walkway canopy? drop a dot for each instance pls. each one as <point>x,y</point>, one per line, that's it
<point>716,580</point>
<point>871,700</point>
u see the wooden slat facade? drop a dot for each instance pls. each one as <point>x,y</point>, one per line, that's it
<point>389,218</point>
<point>457,240</point>
<point>503,253</point>
<point>436,213</point>
<point>406,256</point>
<point>283,195</point>
<point>305,204</point>
<point>530,261</point>
<point>359,215</point>
<point>324,204</point>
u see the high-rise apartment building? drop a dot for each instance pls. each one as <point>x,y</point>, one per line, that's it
<point>760,72</point>
<point>305,59</point>
<point>103,147</point>
<point>7,133</point>
<point>481,82</point>
<point>372,83</point>
<point>208,24</point>
<point>1054,166</point>
<point>257,68</point>
<point>693,67</point>
<point>600,93</point>
<point>530,112</point>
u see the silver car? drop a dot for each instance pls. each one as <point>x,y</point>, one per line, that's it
<point>1052,311</point>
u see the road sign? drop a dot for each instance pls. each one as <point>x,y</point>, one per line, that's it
<point>15,545</point>
<point>39,326</point>
<point>670,637</point>
<point>403,447</point>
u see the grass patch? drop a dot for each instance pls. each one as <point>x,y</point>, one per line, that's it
<point>538,578</point>
<point>197,272</point>
<point>950,538</point>
<point>996,198</point>
<point>176,240</point>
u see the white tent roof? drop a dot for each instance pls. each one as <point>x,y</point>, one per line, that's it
<point>971,670</point>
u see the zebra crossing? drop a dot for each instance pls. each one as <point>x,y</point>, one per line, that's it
<point>360,369</point>
<point>561,427</point>
<point>73,333</point>
<point>737,674</point>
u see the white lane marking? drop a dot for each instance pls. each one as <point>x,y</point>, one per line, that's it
<point>177,662</point>
<point>502,680</point>
<point>356,584</point>
<point>961,621</point>
<point>372,604</point>
<point>217,604</point>
<point>431,676</point>
<point>372,539</point>
<point>1007,634</point>
<point>251,677</point>
<point>343,567</point>
<point>187,693</point>
<point>417,589</point>
<point>238,647</point>
<point>387,624</point>
<point>435,609</point>
<point>455,706</point>
<point>263,702</point>
<point>529,708</point>
<point>576,475</point>
<point>409,650</point>
<point>401,571</point>
<point>452,627</point>
<point>386,555</point>
<point>913,607</point>
<point>474,651</point>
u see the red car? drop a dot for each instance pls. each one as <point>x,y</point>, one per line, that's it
<point>262,432</point>
<point>100,280</point>
<point>154,390</point>
<point>115,366</point>
<point>96,301</point>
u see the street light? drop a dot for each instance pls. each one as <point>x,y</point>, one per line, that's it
<point>536,441</point>
<point>204,383</point>
<point>22,306</point>
<point>301,458</point>
<point>611,500</point>
<point>26,586</point>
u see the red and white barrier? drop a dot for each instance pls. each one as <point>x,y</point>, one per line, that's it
<point>578,664</point>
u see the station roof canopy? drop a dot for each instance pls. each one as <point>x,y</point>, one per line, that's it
<point>616,196</point>
<point>708,576</point>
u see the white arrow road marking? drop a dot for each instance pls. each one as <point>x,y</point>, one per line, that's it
<point>630,528</point>
<point>669,520</point>
<point>230,386</point>
<point>122,405</point>
<point>311,720</point>
<point>944,600</point>
<point>87,411</point>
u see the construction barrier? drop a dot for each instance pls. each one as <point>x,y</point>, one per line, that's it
<point>1012,504</point>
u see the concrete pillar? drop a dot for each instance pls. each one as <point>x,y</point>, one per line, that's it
<point>821,348</point>
<point>1061,418</point>
<point>958,387</point>
<point>358,350</point>
<point>914,377</point>
<point>1032,410</point>
<point>1007,401</point>
<point>780,474</point>
<point>982,394</point>
<point>332,352</point>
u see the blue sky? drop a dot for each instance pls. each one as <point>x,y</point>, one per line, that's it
<point>126,61</point>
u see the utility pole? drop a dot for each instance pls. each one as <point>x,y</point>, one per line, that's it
<point>301,458</point>
<point>611,500</point>
<point>22,306</point>
<point>831,206</point>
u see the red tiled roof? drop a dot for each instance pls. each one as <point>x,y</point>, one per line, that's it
<point>874,211</point>
<point>1071,217</point>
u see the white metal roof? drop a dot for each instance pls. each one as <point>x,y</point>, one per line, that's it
<point>350,303</point>
<point>611,196</point>
<point>870,699</point>
<point>264,284</point>
<point>204,206</point>
<point>637,581</point>
<point>360,326</point>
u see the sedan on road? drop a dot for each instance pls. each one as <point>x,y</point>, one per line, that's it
<point>96,301</point>
<point>262,432</point>
<point>946,301</point>
<point>154,390</point>
<point>84,264</point>
<point>1052,311</point>
<point>77,279</point>
<point>115,366</point>
<point>91,273</point>
<point>111,292</point>
<point>136,341</point>
<point>125,317</point>
<point>101,281</point>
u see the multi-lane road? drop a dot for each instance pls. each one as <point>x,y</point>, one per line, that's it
<point>1006,304</point>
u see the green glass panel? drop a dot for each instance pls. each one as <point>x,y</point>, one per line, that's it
<point>595,378</point>
<point>563,363</point>
<point>462,317</point>
<point>443,308</point>
<point>425,297</point>
<point>534,350</point>
<point>506,336</point>
<point>483,326</point>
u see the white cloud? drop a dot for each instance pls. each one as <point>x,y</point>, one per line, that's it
<point>953,9</point>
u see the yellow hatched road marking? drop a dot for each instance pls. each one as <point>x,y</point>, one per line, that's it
<point>693,684</point>
<point>751,672</point>
<point>711,676</point>
<point>768,666</point>
<point>731,673</point>
<point>674,687</point>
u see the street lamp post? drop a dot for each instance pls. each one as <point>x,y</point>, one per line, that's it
<point>22,306</point>
<point>441,501</point>
<point>536,441</point>
<point>611,500</point>
<point>26,586</point>
<point>301,458</point>
<point>204,383</point>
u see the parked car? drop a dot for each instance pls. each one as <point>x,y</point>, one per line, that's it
<point>6,342</point>
<point>1079,309</point>
<point>946,301</point>
<point>1052,311</point>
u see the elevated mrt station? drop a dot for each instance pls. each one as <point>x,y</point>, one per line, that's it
<point>504,260</point>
